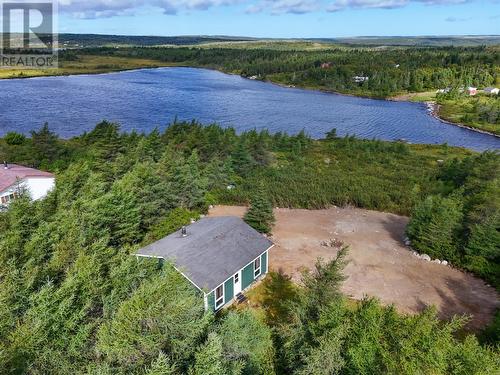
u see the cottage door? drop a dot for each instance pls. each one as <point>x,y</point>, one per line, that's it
<point>237,283</point>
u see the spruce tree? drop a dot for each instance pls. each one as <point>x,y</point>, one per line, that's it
<point>260,215</point>
<point>209,358</point>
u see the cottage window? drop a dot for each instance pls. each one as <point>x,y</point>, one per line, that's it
<point>237,278</point>
<point>8,198</point>
<point>256,267</point>
<point>219,296</point>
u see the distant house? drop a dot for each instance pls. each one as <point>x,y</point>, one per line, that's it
<point>326,65</point>
<point>491,90</point>
<point>220,256</point>
<point>443,91</point>
<point>472,91</point>
<point>360,79</point>
<point>16,180</point>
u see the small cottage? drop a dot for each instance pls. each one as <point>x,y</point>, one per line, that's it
<point>360,79</point>
<point>443,91</point>
<point>220,256</point>
<point>491,90</point>
<point>17,179</point>
<point>472,91</point>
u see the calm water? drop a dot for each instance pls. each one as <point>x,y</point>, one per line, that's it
<point>143,99</point>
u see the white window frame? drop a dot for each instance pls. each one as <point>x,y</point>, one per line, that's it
<point>219,302</point>
<point>236,277</point>
<point>257,269</point>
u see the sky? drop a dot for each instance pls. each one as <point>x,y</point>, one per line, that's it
<point>281,18</point>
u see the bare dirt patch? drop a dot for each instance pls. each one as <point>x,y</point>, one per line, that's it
<point>379,263</point>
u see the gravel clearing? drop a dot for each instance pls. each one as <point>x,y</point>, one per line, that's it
<point>380,264</point>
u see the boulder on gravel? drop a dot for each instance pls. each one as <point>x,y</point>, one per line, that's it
<point>444,262</point>
<point>437,261</point>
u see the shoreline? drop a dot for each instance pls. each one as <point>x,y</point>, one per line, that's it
<point>433,109</point>
<point>432,106</point>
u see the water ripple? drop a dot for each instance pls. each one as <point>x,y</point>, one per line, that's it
<point>143,99</point>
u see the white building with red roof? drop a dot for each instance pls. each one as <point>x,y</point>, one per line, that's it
<point>17,179</point>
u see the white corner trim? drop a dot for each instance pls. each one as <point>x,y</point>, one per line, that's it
<point>173,265</point>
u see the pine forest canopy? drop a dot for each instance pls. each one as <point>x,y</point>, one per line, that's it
<point>74,300</point>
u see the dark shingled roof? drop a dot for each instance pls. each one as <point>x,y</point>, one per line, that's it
<point>213,250</point>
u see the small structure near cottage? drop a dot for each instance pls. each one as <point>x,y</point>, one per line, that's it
<point>220,256</point>
<point>472,91</point>
<point>360,79</point>
<point>17,179</point>
<point>443,91</point>
<point>491,90</point>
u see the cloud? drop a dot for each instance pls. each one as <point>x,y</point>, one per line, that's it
<point>384,4</point>
<point>276,7</point>
<point>111,8</point>
<point>339,5</point>
<point>458,19</point>
<point>88,9</point>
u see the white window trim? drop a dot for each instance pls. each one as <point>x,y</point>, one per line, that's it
<point>236,277</point>
<point>218,306</point>
<point>257,271</point>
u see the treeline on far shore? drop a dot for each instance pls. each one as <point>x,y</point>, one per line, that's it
<point>373,72</point>
<point>380,72</point>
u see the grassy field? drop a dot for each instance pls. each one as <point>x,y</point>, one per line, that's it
<point>417,97</point>
<point>279,45</point>
<point>86,64</point>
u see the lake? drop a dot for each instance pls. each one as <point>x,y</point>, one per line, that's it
<point>149,98</point>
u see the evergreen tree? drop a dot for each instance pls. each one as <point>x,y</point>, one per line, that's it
<point>435,227</point>
<point>209,358</point>
<point>332,134</point>
<point>241,160</point>
<point>162,366</point>
<point>260,214</point>
<point>46,148</point>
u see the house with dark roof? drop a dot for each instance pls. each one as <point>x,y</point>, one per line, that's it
<point>491,90</point>
<point>220,256</point>
<point>17,179</point>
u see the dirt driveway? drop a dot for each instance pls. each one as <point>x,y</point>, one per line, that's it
<point>380,265</point>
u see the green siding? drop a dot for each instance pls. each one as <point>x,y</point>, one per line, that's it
<point>161,262</point>
<point>211,301</point>
<point>247,276</point>
<point>228,290</point>
<point>263,262</point>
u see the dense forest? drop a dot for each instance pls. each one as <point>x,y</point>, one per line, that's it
<point>97,40</point>
<point>74,300</point>
<point>390,71</point>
